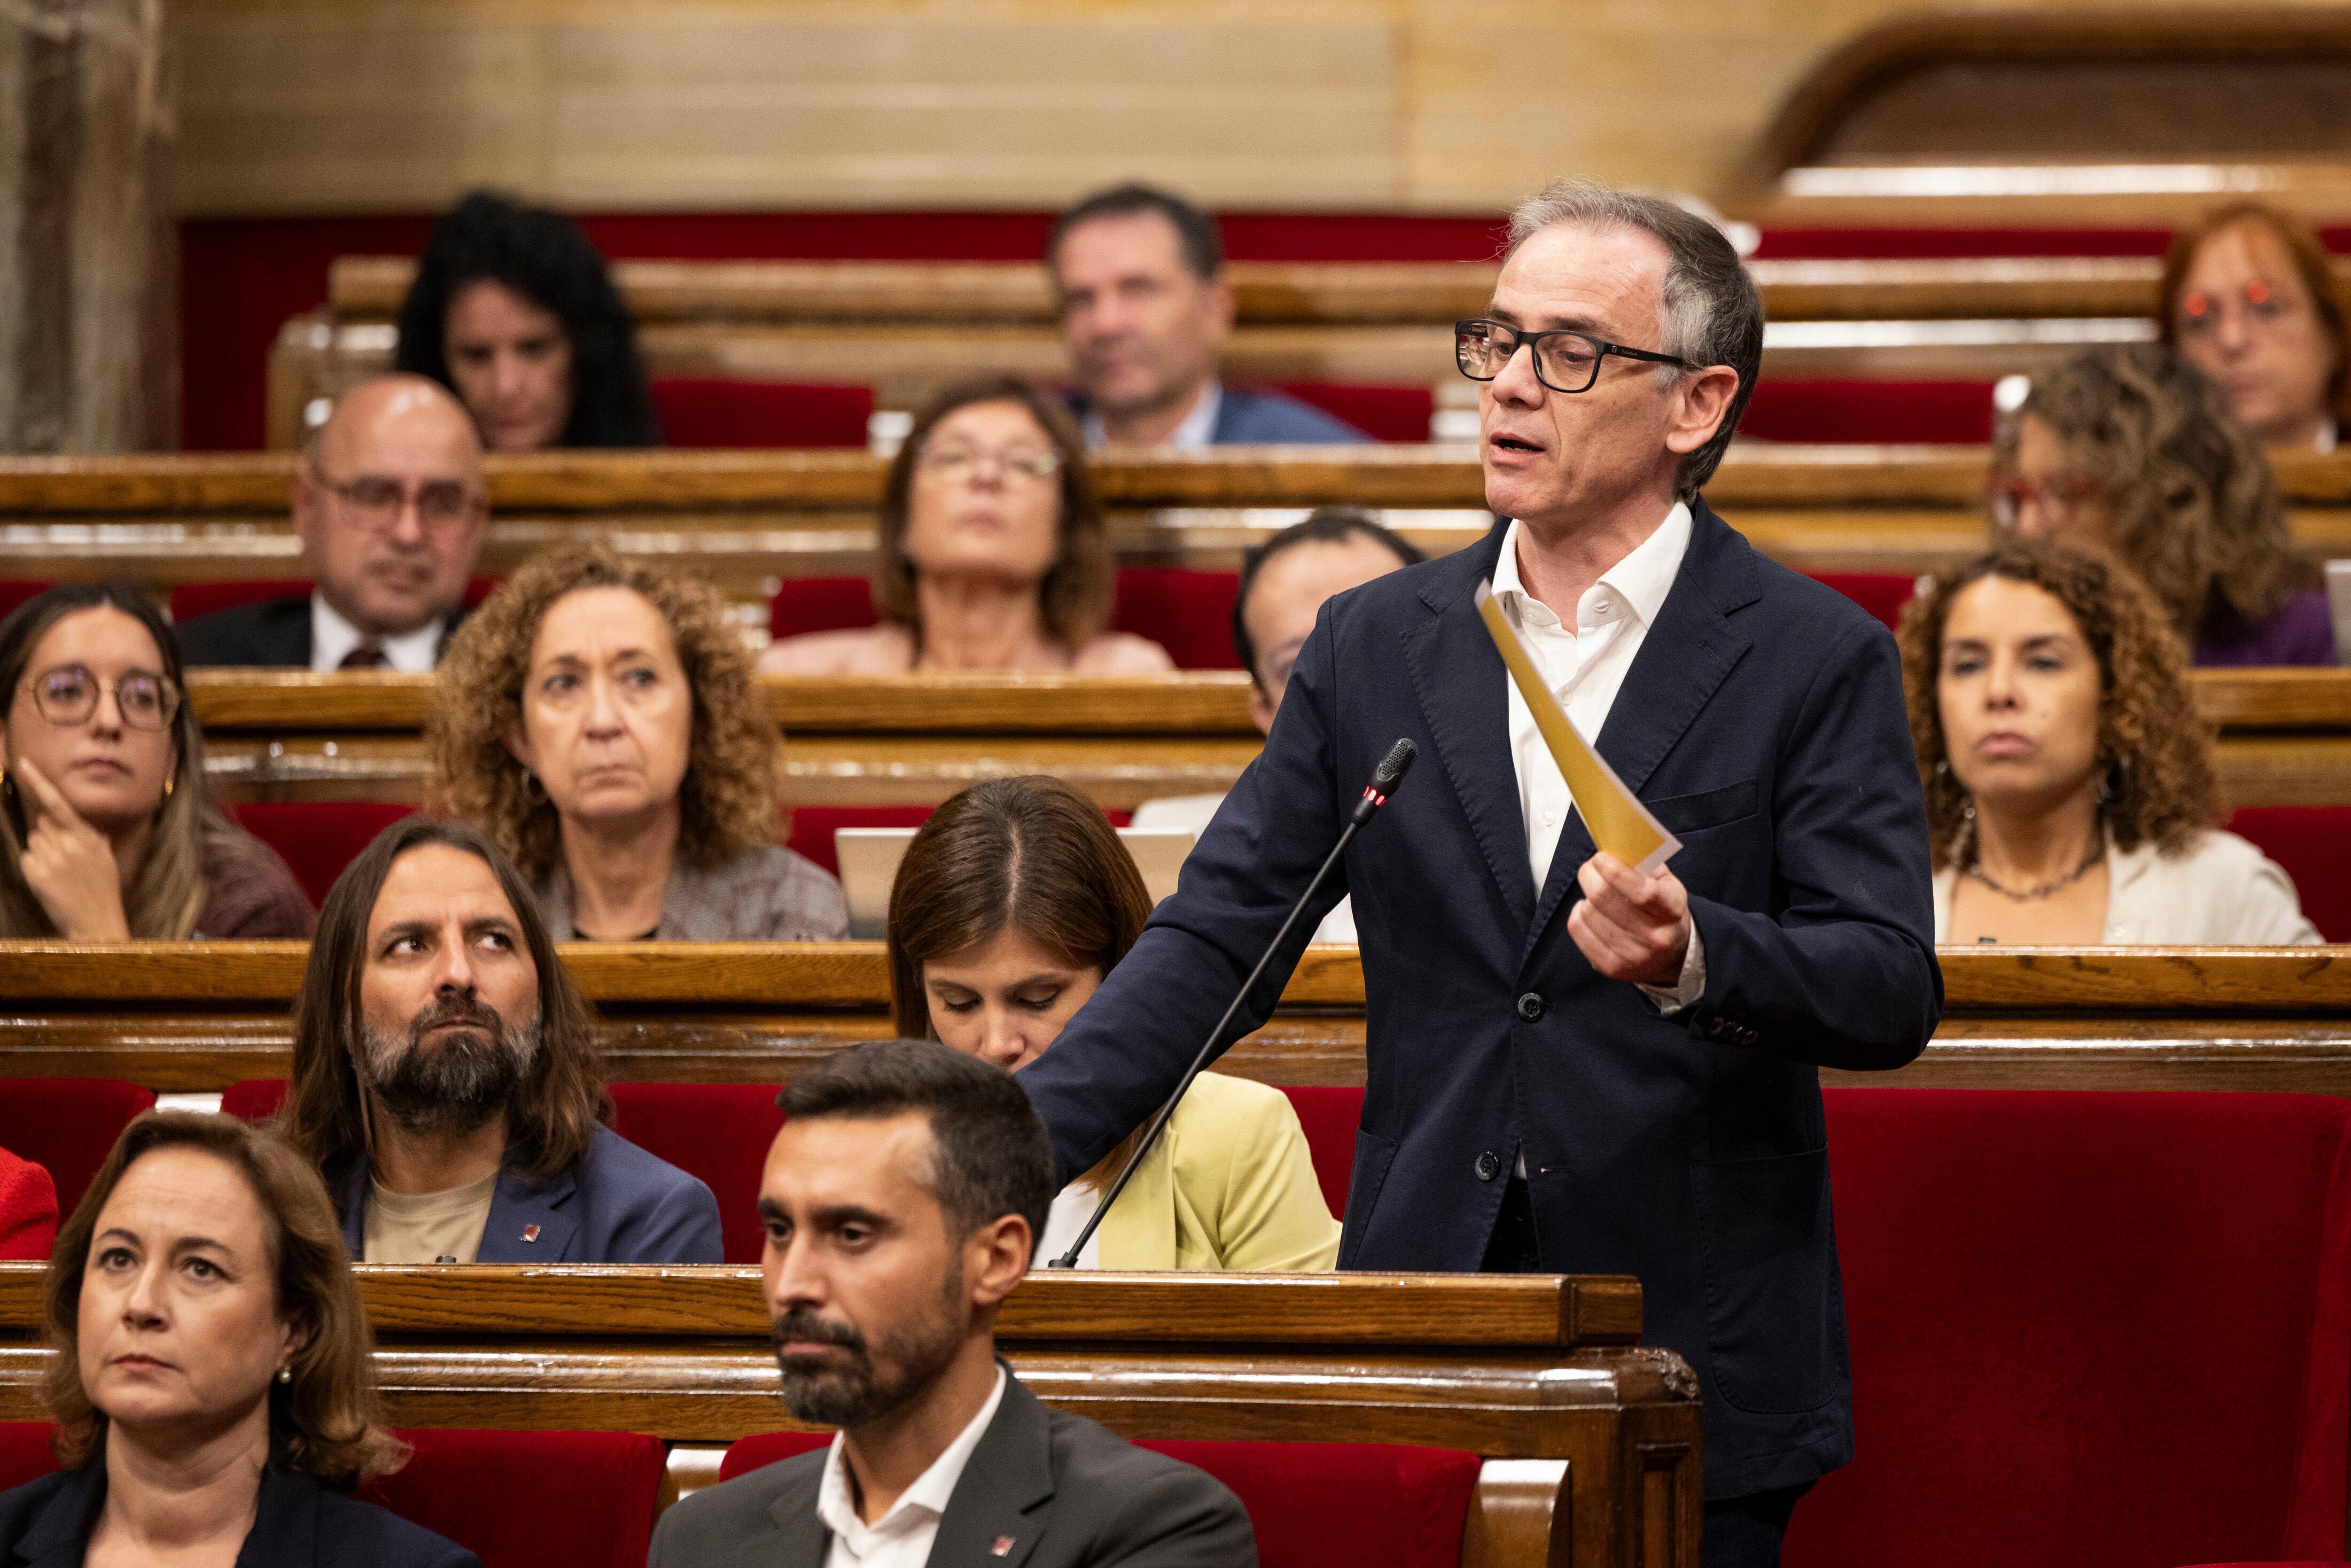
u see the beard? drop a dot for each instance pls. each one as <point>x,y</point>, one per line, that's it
<point>844,1387</point>
<point>457,1085</point>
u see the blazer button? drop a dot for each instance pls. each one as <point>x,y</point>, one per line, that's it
<point>1530,1006</point>
<point>1490,1166</point>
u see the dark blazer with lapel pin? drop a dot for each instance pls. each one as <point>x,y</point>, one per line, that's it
<point>1064,1491</point>
<point>1762,722</point>
<point>618,1205</point>
<point>272,633</point>
<point>299,1524</point>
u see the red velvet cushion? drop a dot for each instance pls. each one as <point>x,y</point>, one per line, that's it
<point>1957,413</point>
<point>1813,244</point>
<point>717,1132</point>
<point>319,838</point>
<point>531,1500</point>
<point>745,1454</point>
<point>2085,1327</point>
<point>2314,844</point>
<point>1384,414</point>
<point>813,826</point>
<point>805,604</point>
<point>1314,1503</point>
<point>25,1453</point>
<point>190,600</point>
<point>761,414</point>
<point>1882,593</point>
<point>28,1210</point>
<point>254,1099</point>
<point>1330,1117</point>
<point>1190,614</point>
<point>68,1125</point>
<point>15,590</point>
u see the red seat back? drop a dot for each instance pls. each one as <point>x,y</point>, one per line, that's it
<point>1896,413</point>
<point>1882,593</point>
<point>319,838</point>
<point>718,1133</point>
<point>15,590</point>
<point>2065,1305</point>
<point>67,1127</point>
<point>190,600</point>
<point>1384,414</point>
<point>1190,614</point>
<point>805,604</point>
<point>25,1453</point>
<point>254,1099</point>
<point>761,1449</point>
<point>530,1500</point>
<point>813,827</point>
<point>717,413</point>
<point>1330,1117</point>
<point>2314,844</point>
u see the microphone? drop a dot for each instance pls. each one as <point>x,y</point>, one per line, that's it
<point>1385,779</point>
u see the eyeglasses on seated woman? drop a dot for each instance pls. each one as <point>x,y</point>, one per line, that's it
<point>597,717</point>
<point>210,1383</point>
<point>2250,296</point>
<point>1013,901</point>
<point>107,827</point>
<point>2070,796</point>
<point>990,555</point>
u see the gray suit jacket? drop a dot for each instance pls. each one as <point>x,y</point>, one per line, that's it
<point>1066,1494</point>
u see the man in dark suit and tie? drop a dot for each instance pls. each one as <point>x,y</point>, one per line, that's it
<point>902,1200</point>
<point>391,507</point>
<point>1573,1066</point>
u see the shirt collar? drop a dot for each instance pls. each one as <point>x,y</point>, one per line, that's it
<point>932,1491</point>
<point>1196,433</point>
<point>332,638</point>
<point>1641,580</point>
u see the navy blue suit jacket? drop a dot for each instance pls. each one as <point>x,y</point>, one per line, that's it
<point>1762,722</point>
<point>298,1523</point>
<point>618,1205</point>
<point>1272,419</point>
<point>273,633</point>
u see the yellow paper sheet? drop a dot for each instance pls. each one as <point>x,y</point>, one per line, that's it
<point>1618,821</point>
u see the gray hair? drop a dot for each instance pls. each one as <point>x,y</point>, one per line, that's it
<point>1708,312</point>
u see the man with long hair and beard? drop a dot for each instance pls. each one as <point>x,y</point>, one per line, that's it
<point>901,1201</point>
<point>446,1079</point>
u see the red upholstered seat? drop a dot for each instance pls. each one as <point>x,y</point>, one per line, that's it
<point>710,413</point>
<point>531,1500</point>
<point>15,590</point>
<point>717,1132</point>
<point>25,1453</point>
<point>1190,614</point>
<point>255,1099</point>
<point>1955,412</point>
<point>67,1127</point>
<point>1384,414</point>
<point>813,827</point>
<point>1330,1117</point>
<point>2314,844</point>
<point>1312,1503</point>
<point>805,604</point>
<point>1882,593</point>
<point>190,600</point>
<point>2107,1328</point>
<point>319,838</point>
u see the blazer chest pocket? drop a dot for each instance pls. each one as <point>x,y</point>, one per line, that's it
<point>1686,814</point>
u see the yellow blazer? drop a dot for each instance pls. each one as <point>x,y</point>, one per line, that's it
<point>1230,1185</point>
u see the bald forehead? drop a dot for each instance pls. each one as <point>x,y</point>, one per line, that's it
<point>1587,277</point>
<point>399,424</point>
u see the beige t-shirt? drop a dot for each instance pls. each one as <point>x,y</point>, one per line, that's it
<point>428,1226</point>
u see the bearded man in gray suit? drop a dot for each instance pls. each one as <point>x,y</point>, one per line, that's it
<point>902,1200</point>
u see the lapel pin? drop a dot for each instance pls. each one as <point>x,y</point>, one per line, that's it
<point>1003,1547</point>
<point>530,1233</point>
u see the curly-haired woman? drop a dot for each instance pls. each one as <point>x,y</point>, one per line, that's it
<point>2069,800</point>
<point>513,312</point>
<point>597,717</point>
<point>2132,453</point>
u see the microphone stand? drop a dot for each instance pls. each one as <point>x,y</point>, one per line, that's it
<point>1385,779</point>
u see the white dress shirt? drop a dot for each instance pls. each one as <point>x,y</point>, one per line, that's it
<point>332,640</point>
<point>1197,433</point>
<point>1584,667</point>
<point>901,1538</point>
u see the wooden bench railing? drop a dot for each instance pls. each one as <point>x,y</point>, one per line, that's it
<point>196,1019</point>
<point>1593,1443</point>
<point>2284,735</point>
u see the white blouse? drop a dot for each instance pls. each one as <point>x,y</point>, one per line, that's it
<point>2221,892</point>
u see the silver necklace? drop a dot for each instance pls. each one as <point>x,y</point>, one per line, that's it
<point>2035,894</point>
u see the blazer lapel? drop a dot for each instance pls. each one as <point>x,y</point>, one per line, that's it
<point>1682,661</point>
<point>525,1224</point>
<point>355,1200</point>
<point>997,1512</point>
<point>801,1541</point>
<point>1459,679</point>
<point>285,1524</point>
<point>60,1537</point>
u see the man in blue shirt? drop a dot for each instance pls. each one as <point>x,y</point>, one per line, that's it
<point>1139,278</point>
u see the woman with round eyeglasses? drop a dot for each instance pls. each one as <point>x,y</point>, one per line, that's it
<point>2250,296</point>
<point>2130,454</point>
<point>992,552</point>
<point>108,830</point>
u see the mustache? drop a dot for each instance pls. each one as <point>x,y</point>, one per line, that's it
<point>458,1008</point>
<point>803,1324</point>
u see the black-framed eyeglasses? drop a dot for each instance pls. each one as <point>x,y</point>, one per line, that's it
<point>66,695</point>
<point>1565,360</point>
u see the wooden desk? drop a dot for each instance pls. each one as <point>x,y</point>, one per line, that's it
<point>1592,1442</point>
<point>186,1018</point>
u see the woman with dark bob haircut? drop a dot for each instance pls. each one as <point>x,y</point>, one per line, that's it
<point>2070,796</point>
<point>1013,901</point>
<point>107,827</point>
<point>210,1383</point>
<point>992,552</point>
<point>512,310</point>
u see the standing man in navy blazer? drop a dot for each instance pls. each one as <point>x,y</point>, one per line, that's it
<point>1571,1066</point>
<point>1138,276</point>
